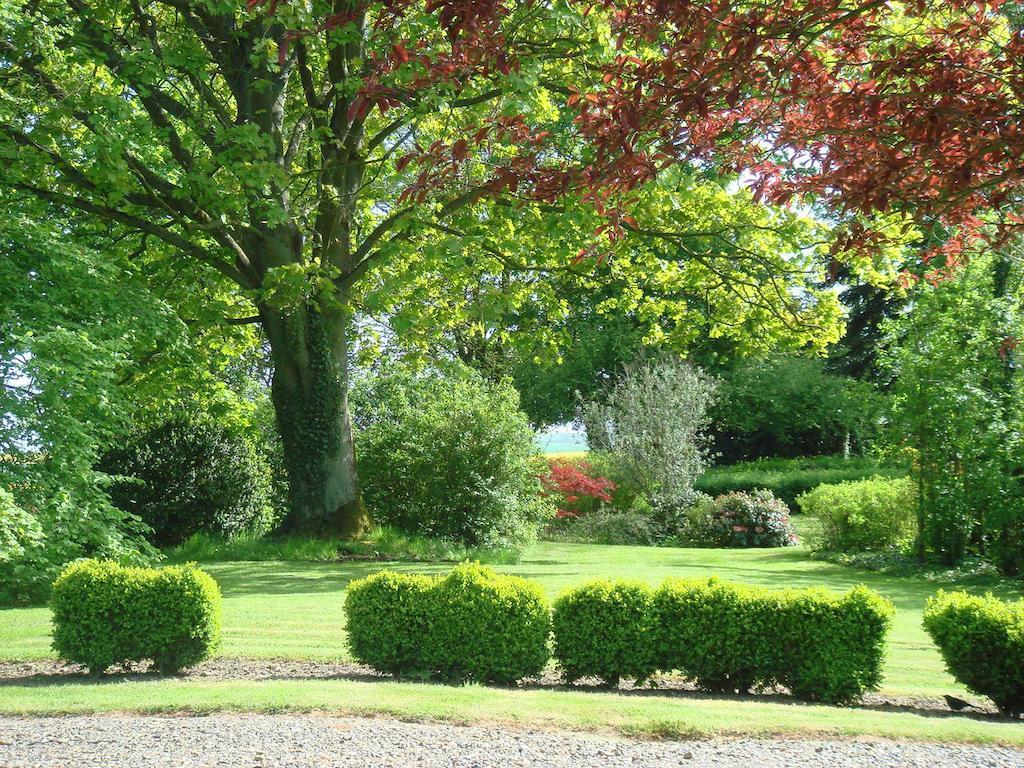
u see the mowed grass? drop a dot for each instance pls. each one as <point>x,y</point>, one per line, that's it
<point>295,610</point>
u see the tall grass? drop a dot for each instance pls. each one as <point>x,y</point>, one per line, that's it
<point>382,543</point>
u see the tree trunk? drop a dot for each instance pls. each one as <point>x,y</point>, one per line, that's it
<point>309,349</point>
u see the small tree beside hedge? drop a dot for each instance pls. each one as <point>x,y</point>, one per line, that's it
<point>474,624</point>
<point>605,629</point>
<point>982,643</point>
<point>106,614</point>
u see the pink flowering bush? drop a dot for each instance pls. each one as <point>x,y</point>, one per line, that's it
<point>575,488</point>
<point>755,519</point>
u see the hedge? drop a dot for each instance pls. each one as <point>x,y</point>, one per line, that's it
<point>474,624</point>
<point>477,625</point>
<point>788,478</point>
<point>605,629</point>
<point>821,645</point>
<point>106,614</point>
<point>982,642</point>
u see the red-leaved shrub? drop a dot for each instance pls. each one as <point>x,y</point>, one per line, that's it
<point>575,490</point>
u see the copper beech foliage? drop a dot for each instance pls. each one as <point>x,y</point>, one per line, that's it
<point>864,106</point>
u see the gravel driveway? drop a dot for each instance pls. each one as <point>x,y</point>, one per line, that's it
<point>317,741</point>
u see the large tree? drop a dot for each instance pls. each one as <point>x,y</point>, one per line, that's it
<point>296,147</point>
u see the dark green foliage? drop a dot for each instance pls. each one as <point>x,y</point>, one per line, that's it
<point>448,457</point>
<point>791,406</point>
<point>788,478</point>
<point>105,614</point>
<point>821,645</point>
<point>388,616</point>
<point>875,515</point>
<point>473,624</point>
<point>755,519</point>
<point>191,474</point>
<point>487,627</point>
<point>982,643</point>
<point>605,629</point>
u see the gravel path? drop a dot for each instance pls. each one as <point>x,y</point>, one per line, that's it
<point>317,741</point>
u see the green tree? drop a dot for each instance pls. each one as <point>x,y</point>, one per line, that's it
<point>956,396</point>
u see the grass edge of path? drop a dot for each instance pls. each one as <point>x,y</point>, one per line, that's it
<point>622,714</point>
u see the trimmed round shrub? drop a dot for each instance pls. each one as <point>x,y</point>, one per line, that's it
<point>191,475</point>
<point>875,515</point>
<point>755,519</point>
<point>388,617</point>
<point>487,627</point>
<point>449,457</point>
<point>605,629</point>
<point>106,614</point>
<point>719,635</point>
<point>835,643</point>
<point>821,645</point>
<point>982,643</point>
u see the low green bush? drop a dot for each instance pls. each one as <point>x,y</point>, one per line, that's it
<point>605,629</point>
<point>449,456</point>
<point>821,645</point>
<point>388,616</point>
<point>605,526</point>
<point>874,515</point>
<point>739,519</point>
<point>788,478</point>
<point>982,642</point>
<point>487,627</point>
<point>473,624</point>
<point>105,614</point>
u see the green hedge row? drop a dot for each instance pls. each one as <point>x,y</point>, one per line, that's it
<point>788,478</point>
<point>477,625</point>
<point>982,643</point>
<point>821,645</point>
<point>105,614</point>
<point>473,624</point>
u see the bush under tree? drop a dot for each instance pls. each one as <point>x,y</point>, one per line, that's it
<point>450,457</point>
<point>191,474</point>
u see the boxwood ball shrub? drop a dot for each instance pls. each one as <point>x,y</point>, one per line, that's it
<point>755,519</point>
<point>821,645</point>
<point>388,617</point>
<point>982,642</point>
<point>105,614</point>
<point>487,627</point>
<point>873,515</point>
<point>605,629</point>
<point>449,456</point>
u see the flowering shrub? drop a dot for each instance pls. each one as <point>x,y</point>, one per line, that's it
<point>755,519</point>
<point>574,488</point>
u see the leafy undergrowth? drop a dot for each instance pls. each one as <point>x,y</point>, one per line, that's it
<point>973,571</point>
<point>383,543</point>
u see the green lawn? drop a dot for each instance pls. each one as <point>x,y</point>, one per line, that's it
<point>286,609</point>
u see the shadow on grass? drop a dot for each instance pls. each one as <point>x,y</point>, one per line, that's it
<point>667,688</point>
